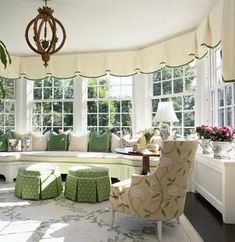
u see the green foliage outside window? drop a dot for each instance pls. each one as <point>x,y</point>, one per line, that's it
<point>52,105</point>
<point>106,108</point>
<point>7,106</point>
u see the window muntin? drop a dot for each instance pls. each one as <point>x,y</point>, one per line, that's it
<point>7,106</point>
<point>178,85</point>
<point>221,94</point>
<point>109,104</point>
<point>52,107</point>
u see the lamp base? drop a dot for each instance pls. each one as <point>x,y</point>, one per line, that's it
<point>164,131</point>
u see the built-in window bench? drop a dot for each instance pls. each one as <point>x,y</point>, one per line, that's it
<point>120,166</point>
<point>214,179</point>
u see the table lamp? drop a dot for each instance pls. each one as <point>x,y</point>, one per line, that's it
<point>165,113</point>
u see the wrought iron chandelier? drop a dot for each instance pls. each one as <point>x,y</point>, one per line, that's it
<point>45,28</point>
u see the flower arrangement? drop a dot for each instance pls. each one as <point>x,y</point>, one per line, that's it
<point>204,131</point>
<point>223,134</point>
<point>148,134</point>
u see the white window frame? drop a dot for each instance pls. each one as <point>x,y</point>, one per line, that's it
<point>97,99</point>
<point>52,100</point>
<point>173,95</point>
<point>216,84</point>
<point>4,127</point>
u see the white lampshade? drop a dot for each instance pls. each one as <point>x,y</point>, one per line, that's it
<point>165,113</point>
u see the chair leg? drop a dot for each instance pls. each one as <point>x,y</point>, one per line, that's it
<point>159,230</point>
<point>113,217</point>
<point>178,219</point>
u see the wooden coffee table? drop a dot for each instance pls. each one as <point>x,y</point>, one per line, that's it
<point>145,154</point>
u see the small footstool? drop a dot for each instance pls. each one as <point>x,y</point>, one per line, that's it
<point>87,184</point>
<point>38,181</point>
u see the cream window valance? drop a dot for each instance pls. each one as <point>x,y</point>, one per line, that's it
<point>174,52</point>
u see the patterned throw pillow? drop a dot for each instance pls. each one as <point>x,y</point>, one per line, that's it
<point>26,144</point>
<point>26,140</point>
<point>99,142</point>
<point>126,141</point>
<point>57,142</point>
<point>14,145</point>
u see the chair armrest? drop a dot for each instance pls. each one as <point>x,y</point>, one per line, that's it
<point>121,187</point>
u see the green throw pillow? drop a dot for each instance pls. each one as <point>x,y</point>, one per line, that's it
<point>99,142</point>
<point>4,141</point>
<point>57,142</point>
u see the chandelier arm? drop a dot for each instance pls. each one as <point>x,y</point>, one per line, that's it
<point>27,39</point>
<point>64,36</point>
<point>37,32</point>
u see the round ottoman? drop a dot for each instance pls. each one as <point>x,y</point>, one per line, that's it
<point>38,181</point>
<point>87,184</point>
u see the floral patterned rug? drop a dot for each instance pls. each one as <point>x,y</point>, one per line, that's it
<point>59,219</point>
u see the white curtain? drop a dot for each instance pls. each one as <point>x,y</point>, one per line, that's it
<point>174,52</point>
<point>228,41</point>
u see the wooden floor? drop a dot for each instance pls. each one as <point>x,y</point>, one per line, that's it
<point>207,220</point>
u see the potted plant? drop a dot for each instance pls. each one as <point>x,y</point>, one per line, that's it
<point>204,132</point>
<point>221,141</point>
<point>5,59</point>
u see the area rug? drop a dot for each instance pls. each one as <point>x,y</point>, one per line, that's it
<point>61,220</point>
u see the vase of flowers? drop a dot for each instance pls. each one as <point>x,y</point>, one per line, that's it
<point>148,134</point>
<point>204,133</point>
<point>222,141</point>
<point>147,137</point>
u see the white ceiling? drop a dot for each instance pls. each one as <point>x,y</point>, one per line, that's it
<point>101,25</point>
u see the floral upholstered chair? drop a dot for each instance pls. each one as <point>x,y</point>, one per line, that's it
<point>160,195</point>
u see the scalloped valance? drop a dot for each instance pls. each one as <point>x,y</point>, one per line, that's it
<point>173,52</point>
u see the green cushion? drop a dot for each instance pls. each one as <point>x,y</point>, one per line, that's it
<point>87,184</point>
<point>36,170</point>
<point>38,181</point>
<point>88,172</point>
<point>58,141</point>
<point>4,141</point>
<point>99,142</point>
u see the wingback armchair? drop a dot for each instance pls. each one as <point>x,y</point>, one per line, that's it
<point>161,195</point>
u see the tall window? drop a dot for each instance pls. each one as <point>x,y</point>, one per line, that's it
<point>52,105</point>
<point>7,106</point>
<point>222,94</point>
<point>178,85</point>
<point>109,104</point>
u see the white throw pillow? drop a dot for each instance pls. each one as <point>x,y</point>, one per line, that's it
<point>115,142</point>
<point>78,142</point>
<point>39,142</point>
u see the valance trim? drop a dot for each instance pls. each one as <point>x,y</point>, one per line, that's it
<point>174,52</point>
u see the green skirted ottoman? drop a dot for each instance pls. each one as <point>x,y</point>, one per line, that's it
<point>87,184</point>
<point>38,181</point>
